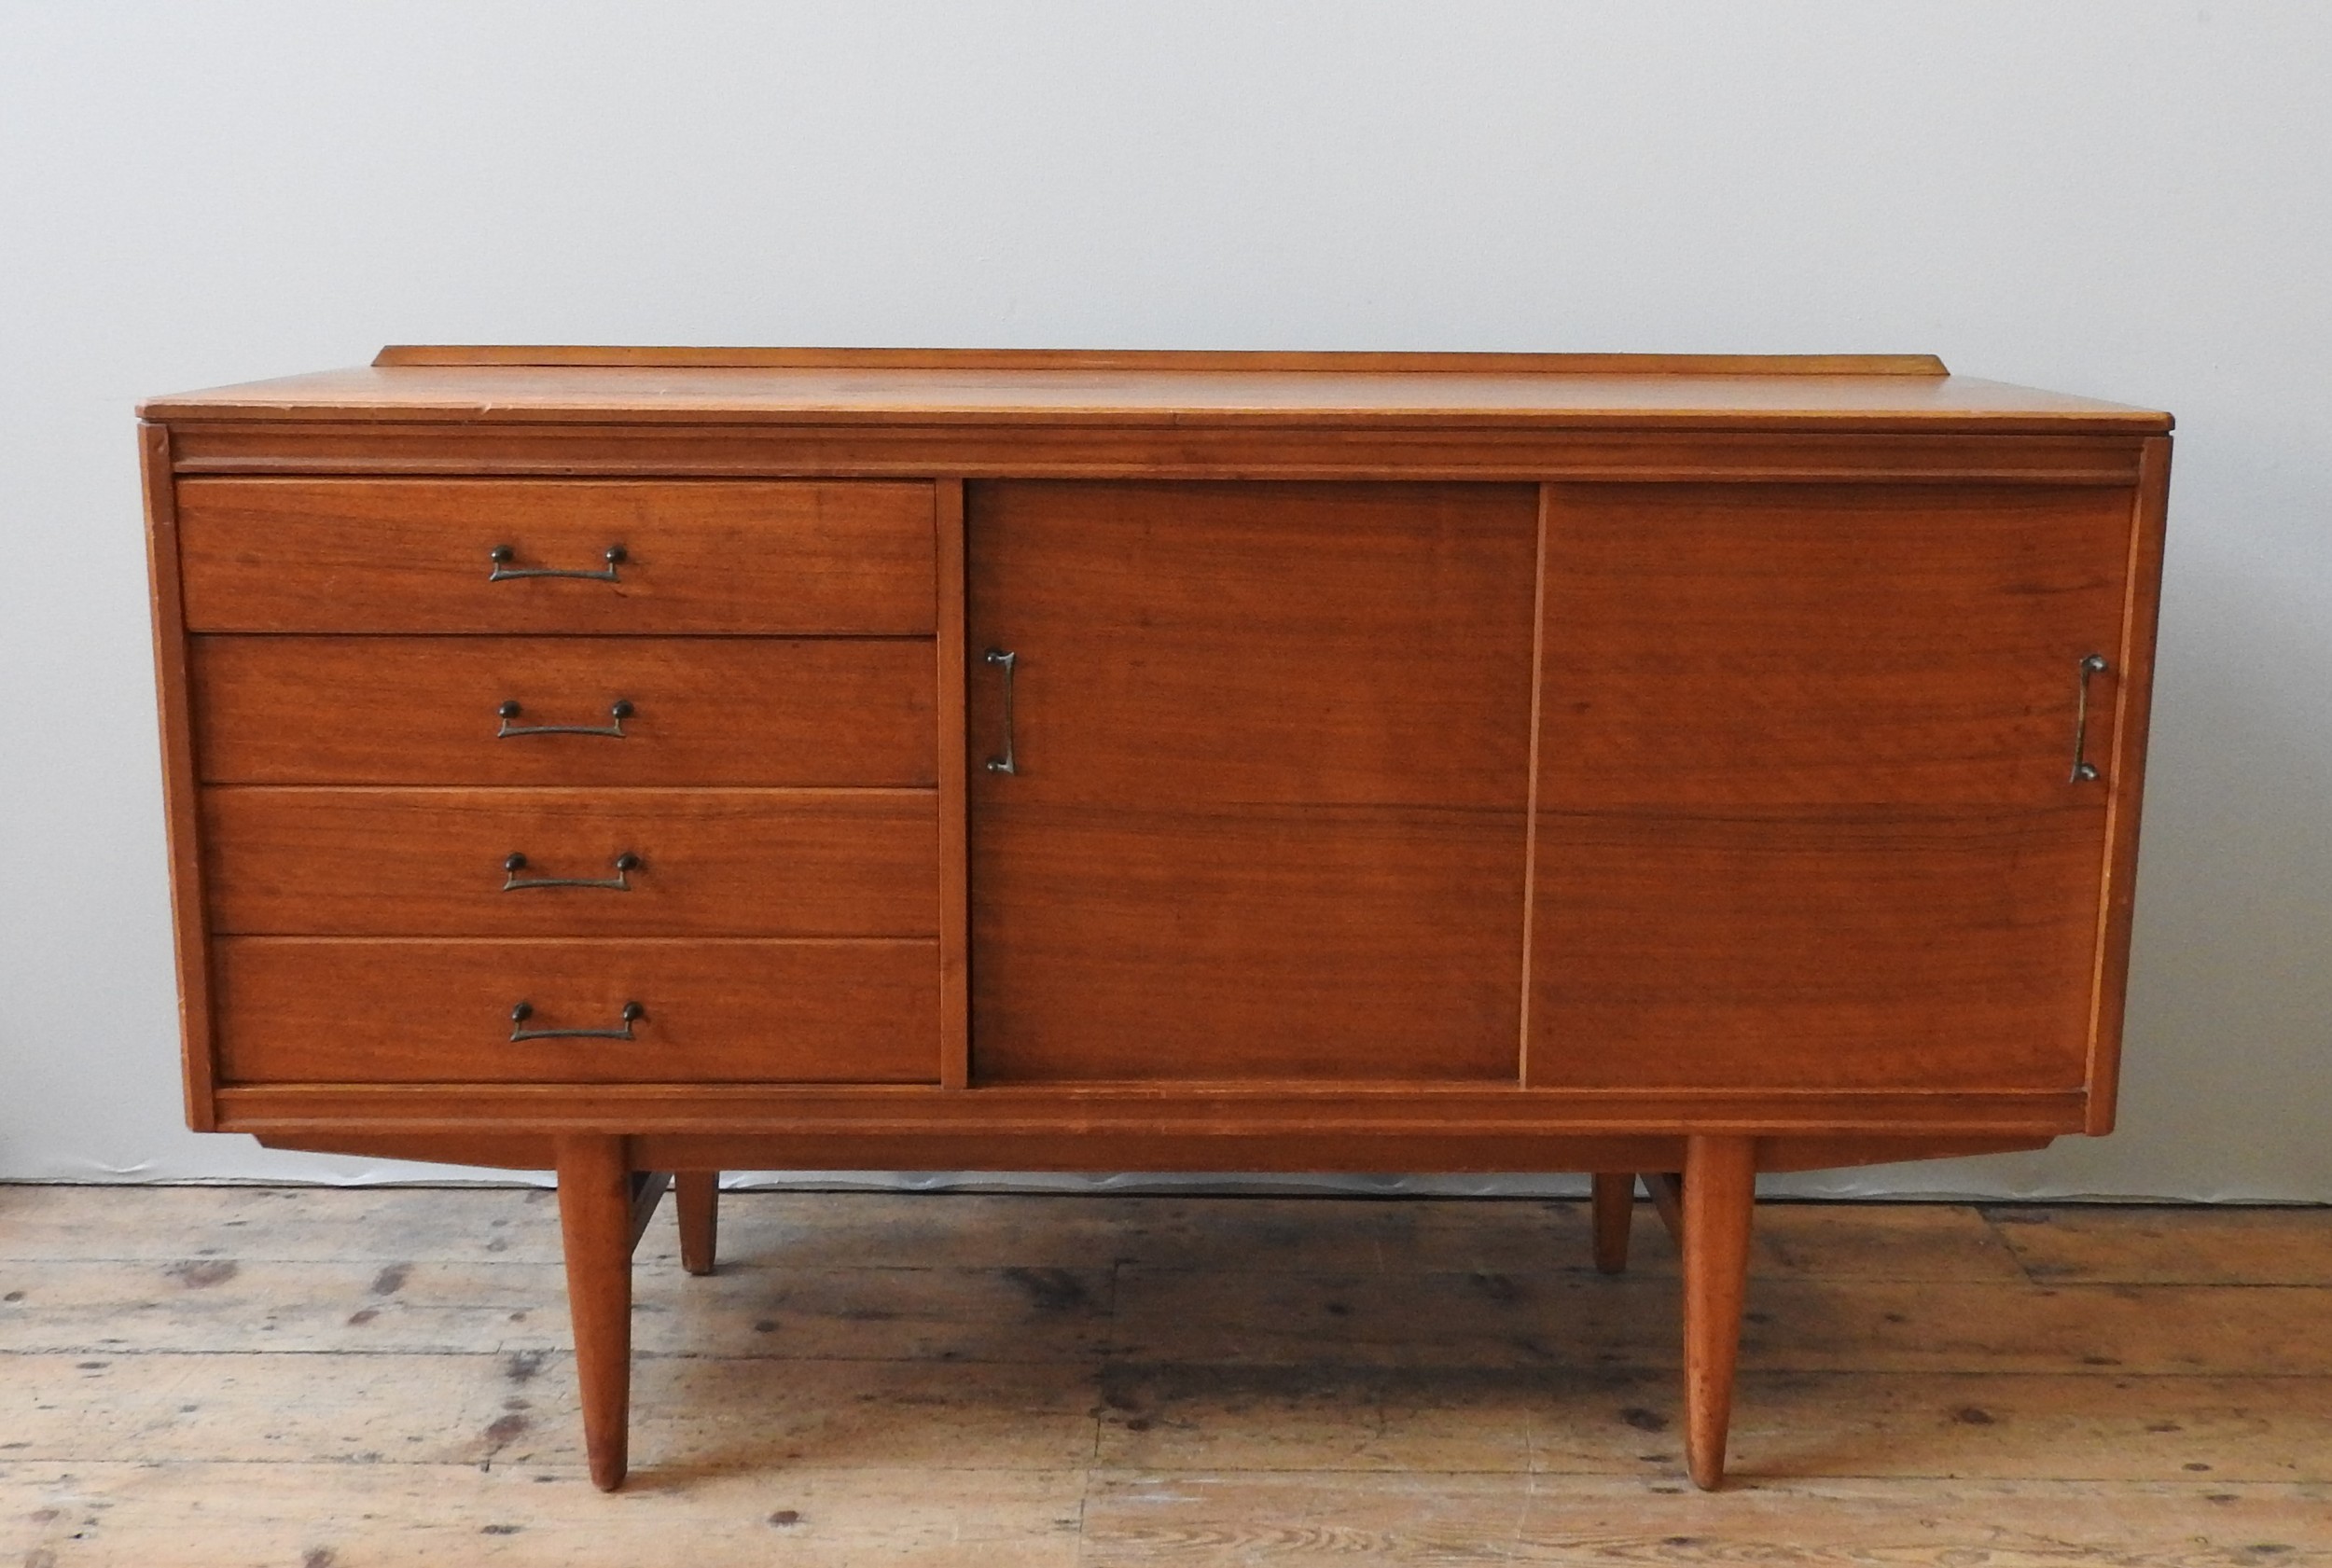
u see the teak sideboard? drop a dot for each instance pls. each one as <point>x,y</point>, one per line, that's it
<point>642,763</point>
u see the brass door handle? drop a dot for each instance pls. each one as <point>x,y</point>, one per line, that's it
<point>2083,769</point>
<point>1005,660</point>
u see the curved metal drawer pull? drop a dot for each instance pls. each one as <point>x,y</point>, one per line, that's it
<point>1005,659</point>
<point>633,1013</point>
<point>2083,769</point>
<point>618,710</point>
<point>502,555</point>
<point>626,864</point>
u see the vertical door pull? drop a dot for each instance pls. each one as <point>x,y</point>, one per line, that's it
<point>2083,769</point>
<point>1005,661</point>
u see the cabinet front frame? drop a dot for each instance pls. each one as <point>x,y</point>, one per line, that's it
<point>952,1125</point>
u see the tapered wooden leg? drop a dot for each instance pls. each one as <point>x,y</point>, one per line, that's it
<point>697,1196</point>
<point>595,1213</point>
<point>1720,1192</point>
<point>1615,1207</point>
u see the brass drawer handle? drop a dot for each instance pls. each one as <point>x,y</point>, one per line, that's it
<point>502,555</point>
<point>2083,769</point>
<point>1005,661</point>
<point>625,863</point>
<point>618,710</point>
<point>633,1013</point>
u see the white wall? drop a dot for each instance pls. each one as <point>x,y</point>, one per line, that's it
<point>2122,198</point>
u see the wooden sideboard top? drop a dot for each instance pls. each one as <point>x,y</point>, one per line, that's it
<point>582,386</point>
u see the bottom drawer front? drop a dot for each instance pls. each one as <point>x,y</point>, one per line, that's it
<point>293,1009</point>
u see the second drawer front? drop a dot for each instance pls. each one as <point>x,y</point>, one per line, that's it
<point>293,1010</point>
<point>700,710</point>
<point>705,862</point>
<point>417,555</point>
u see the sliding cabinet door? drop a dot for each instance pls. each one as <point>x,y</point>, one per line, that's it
<point>1270,774</point>
<point>1808,813</point>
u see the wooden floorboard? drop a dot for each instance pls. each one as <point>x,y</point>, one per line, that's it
<point>1339,1518</point>
<point>328,1379</point>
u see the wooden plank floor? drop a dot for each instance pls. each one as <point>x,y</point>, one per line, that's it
<point>332,1378</point>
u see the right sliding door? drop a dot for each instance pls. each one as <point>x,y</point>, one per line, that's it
<point>1809,810</point>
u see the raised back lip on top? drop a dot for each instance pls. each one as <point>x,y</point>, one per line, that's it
<point>1338,361</point>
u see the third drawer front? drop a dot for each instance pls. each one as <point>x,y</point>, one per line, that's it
<point>491,711</point>
<point>629,862</point>
<point>708,1011</point>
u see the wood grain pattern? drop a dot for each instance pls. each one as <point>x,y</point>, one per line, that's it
<point>1325,943</point>
<point>595,1204</point>
<point>1719,1197</point>
<point>1280,733</point>
<point>1137,1519</point>
<point>1345,1125</point>
<point>379,1011</point>
<point>1530,800</point>
<point>2125,781</point>
<point>1255,644</point>
<point>710,862</point>
<point>955,890</point>
<point>1803,800</point>
<point>649,1188</point>
<point>2197,1245</point>
<point>1613,1204</point>
<point>132,1232</point>
<point>421,711</point>
<point>1729,647</point>
<point>1413,362</point>
<point>1786,951</point>
<point>1666,1189</point>
<point>1718,762</point>
<point>1149,449</point>
<point>1361,396</point>
<point>377,1400</point>
<point>412,555</point>
<point>181,790</point>
<point>697,1205</point>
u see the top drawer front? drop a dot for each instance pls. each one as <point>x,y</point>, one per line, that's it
<point>418,555</point>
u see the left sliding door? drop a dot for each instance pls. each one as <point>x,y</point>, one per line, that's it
<point>1270,757</point>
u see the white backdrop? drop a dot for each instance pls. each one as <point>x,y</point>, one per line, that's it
<point>2124,198</point>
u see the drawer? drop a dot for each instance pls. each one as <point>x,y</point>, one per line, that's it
<point>418,555</point>
<point>711,1011</point>
<point>704,861</point>
<point>429,710</point>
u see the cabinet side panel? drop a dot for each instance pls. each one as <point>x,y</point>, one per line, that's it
<point>181,799</point>
<point>2126,779</point>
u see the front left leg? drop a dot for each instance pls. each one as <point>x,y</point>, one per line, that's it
<point>596,1204</point>
<point>1720,1183</point>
